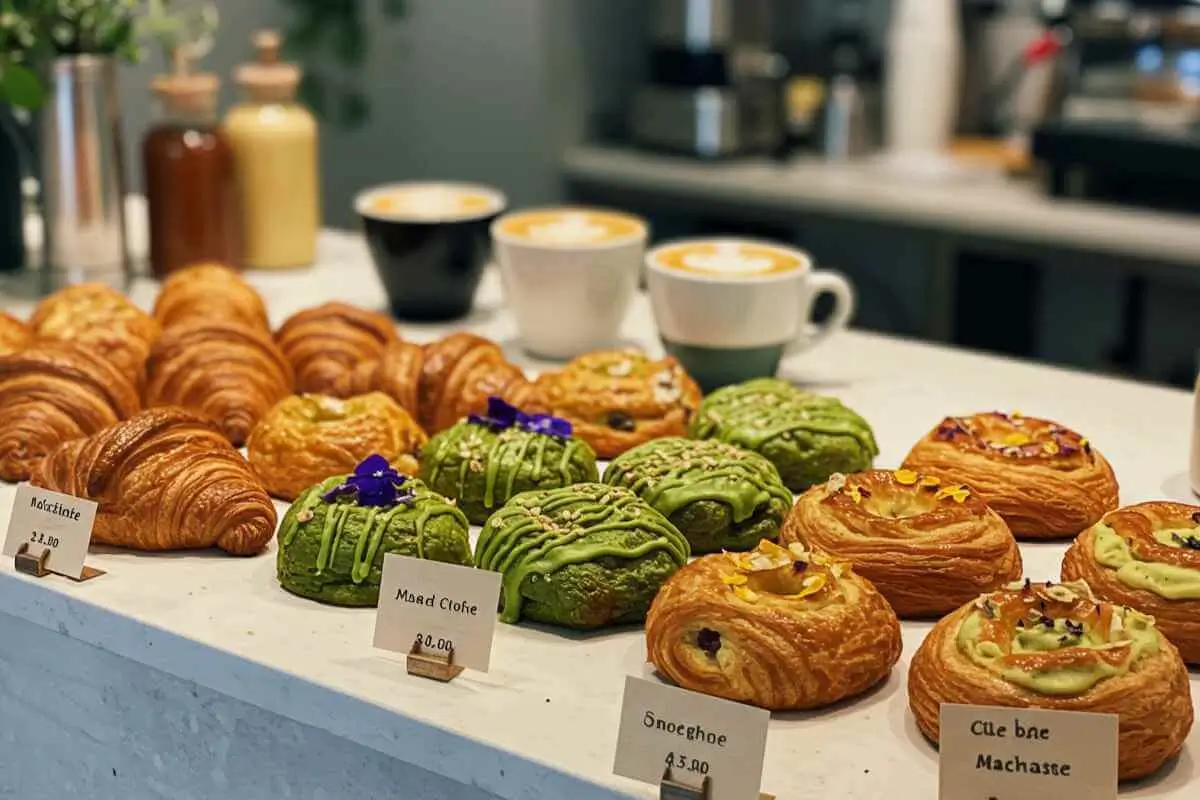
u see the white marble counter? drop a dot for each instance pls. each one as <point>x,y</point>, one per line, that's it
<point>543,723</point>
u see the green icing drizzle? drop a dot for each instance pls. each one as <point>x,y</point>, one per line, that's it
<point>503,460</point>
<point>538,533</point>
<point>672,473</point>
<point>373,523</point>
<point>753,413</point>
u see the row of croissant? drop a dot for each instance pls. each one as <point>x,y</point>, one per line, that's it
<point>143,412</point>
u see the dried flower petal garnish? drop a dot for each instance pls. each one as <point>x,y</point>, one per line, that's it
<point>734,579</point>
<point>930,482</point>
<point>855,494</point>
<point>958,494</point>
<point>1017,439</point>
<point>742,593</point>
<point>905,477</point>
<point>1051,448</point>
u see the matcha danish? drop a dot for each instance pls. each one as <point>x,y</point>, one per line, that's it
<point>806,436</point>
<point>333,539</point>
<point>719,496</point>
<point>584,556</point>
<point>484,460</point>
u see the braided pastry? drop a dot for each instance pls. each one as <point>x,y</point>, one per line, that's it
<point>230,373</point>
<point>165,480</point>
<point>326,342</point>
<point>209,293</point>
<point>1046,481</point>
<point>102,320</point>
<point>53,392</point>
<point>14,334</point>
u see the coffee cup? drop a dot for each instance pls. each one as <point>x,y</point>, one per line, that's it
<point>429,242</point>
<point>729,309</point>
<point>569,276</point>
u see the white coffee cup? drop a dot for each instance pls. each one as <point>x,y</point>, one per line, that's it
<point>729,309</point>
<point>569,276</point>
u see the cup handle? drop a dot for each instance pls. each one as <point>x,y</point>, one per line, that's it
<point>825,282</point>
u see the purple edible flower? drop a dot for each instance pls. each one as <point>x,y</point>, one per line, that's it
<point>502,416</point>
<point>373,484</point>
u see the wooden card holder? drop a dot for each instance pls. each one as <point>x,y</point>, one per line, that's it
<point>435,667</point>
<point>27,563</point>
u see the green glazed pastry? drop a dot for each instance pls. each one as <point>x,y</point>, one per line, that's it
<point>482,462</point>
<point>584,556</point>
<point>719,496</point>
<point>333,539</point>
<point>806,436</point>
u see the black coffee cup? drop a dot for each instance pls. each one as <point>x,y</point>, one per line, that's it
<point>430,243</point>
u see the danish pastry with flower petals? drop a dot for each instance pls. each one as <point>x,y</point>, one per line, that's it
<point>1146,556</point>
<point>778,627</point>
<point>928,547</point>
<point>100,319</point>
<point>1058,647</point>
<point>1046,481</point>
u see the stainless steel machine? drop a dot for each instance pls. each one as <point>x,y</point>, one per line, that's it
<point>715,85</point>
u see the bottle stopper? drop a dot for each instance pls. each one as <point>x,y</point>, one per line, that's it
<point>269,78</point>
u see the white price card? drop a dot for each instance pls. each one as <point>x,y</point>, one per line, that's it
<point>694,736</point>
<point>447,606</point>
<point>993,753</point>
<point>58,524</point>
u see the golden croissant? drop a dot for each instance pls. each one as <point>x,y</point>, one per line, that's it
<point>325,343</point>
<point>1045,480</point>
<point>14,334</point>
<point>53,392</point>
<point>102,320</point>
<point>440,382</point>
<point>164,480</point>
<point>209,293</point>
<point>227,372</point>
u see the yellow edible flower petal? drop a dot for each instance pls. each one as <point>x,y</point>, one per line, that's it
<point>812,584</point>
<point>854,494</point>
<point>745,594</point>
<point>960,495</point>
<point>1051,448</point>
<point>1083,442</point>
<point>734,579</point>
<point>906,477</point>
<point>929,482</point>
<point>1016,439</point>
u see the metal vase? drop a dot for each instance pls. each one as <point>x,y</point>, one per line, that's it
<point>83,175</point>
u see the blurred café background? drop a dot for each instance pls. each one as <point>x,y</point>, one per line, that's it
<point>1019,177</point>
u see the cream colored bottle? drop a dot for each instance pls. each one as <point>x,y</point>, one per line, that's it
<point>1196,440</point>
<point>274,140</point>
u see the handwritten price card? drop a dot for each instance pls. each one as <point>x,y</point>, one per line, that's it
<point>695,736</point>
<point>446,606</point>
<point>58,524</point>
<point>990,753</point>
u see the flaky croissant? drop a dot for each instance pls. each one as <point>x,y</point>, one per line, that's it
<point>209,293</point>
<point>14,334</point>
<point>439,383</point>
<point>1058,648</point>
<point>329,341</point>
<point>165,480</point>
<point>780,628</point>
<point>53,392</point>
<point>928,547</point>
<point>102,320</point>
<point>1045,480</point>
<point>227,372</point>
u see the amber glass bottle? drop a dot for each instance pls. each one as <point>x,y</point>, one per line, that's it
<point>191,183</point>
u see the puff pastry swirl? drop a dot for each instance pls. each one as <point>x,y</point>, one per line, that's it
<point>209,293</point>
<point>1046,481</point>
<point>780,628</point>
<point>1057,647</point>
<point>928,547</point>
<point>53,392</point>
<point>1146,556</point>
<point>230,373</point>
<point>100,319</point>
<point>165,480</point>
<point>326,342</point>
<point>618,399</point>
<point>305,439</point>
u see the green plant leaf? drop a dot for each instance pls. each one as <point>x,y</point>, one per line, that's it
<point>350,44</point>
<point>353,109</point>
<point>313,94</point>
<point>21,87</point>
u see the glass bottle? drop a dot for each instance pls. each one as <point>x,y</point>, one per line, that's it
<point>191,184</point>
<point>274,140</point>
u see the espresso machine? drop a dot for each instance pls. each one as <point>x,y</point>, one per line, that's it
<point>1125,125</point>
<point>715,85</point>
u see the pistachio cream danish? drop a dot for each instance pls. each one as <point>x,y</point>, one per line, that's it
<point>333,539</point>
<point>486,459</point>
<point>719,496</point>
<point>584,556</point>
<point>806,436</point>
<point>1058,647</point>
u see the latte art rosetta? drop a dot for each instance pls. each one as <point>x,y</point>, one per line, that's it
<point>565,227</point>
<point>432,203</point>
<point>729,259</point>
